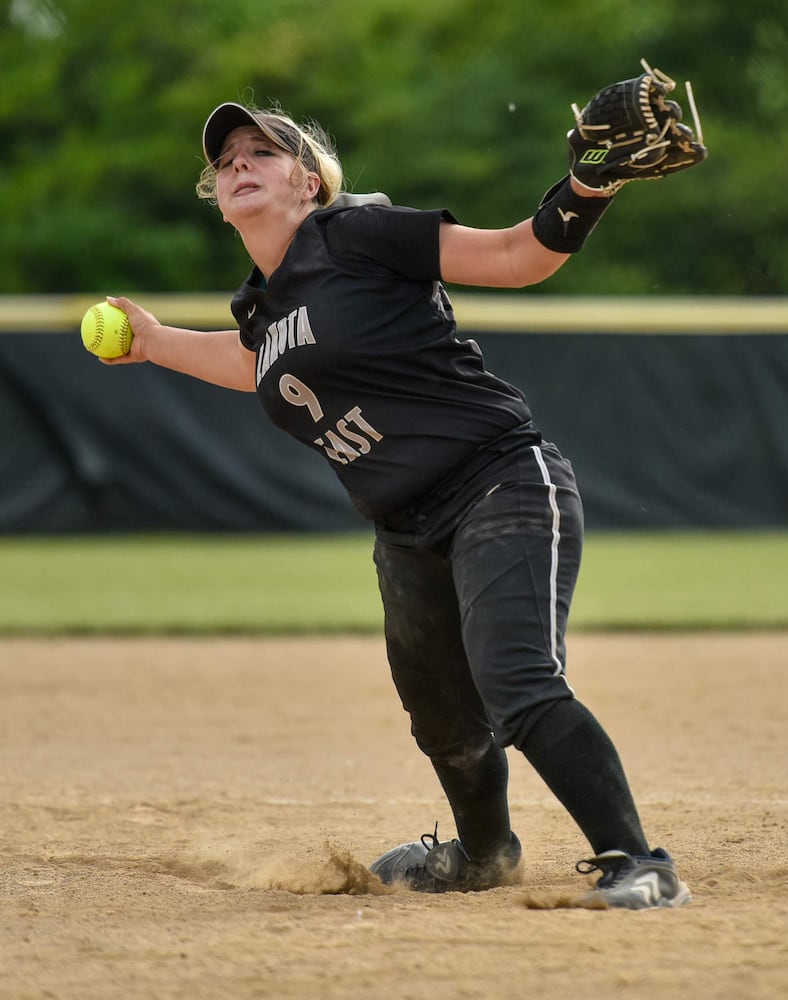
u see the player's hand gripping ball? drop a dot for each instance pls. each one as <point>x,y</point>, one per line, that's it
<point>106,331</point>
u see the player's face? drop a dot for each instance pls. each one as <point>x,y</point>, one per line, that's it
<point>254,176</point>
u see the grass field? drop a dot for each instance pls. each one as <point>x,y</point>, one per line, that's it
<point>279,584</point>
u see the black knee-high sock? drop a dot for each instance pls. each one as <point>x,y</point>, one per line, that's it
<point>478,798</point>
<point>579,764</point>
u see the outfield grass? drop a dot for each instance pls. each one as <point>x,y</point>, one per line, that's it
<point>310,584</point>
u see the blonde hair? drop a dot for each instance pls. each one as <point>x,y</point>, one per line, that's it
<point>312,148</point>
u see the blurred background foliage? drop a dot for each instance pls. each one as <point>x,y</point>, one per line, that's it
<point>456,103</point>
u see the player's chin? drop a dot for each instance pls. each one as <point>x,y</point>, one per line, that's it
<point>245,206</point>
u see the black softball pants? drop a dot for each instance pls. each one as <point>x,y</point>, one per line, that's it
<point>477,581</point>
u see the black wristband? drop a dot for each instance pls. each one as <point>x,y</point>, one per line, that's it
<point>565,220</point>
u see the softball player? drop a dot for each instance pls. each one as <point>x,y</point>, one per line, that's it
<point>348,338</point>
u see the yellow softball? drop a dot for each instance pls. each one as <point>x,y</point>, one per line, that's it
<point>106,331</point>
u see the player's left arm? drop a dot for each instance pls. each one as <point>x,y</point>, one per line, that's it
<point>500,258</point>
<point>628,131</point>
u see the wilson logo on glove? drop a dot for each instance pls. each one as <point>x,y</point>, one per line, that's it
<point>594,156</point>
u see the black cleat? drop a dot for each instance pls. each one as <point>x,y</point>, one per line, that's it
<point>427,865</point>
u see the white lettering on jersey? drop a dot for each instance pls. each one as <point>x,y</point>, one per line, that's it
<point>354,416</point>
<point>298,393</point>
<point>339,448</point>
<point>337,442</point>
<point>291,331</point>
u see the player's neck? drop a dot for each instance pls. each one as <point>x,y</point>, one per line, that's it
<point>268,242</point>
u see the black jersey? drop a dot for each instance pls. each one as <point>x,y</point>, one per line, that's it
<point>358,355</point>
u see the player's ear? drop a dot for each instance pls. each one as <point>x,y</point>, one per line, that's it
<point>311,186</point>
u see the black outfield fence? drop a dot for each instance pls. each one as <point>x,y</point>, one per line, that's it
<point>674,413</point>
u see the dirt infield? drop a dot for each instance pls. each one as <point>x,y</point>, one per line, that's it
<point>192,819</point>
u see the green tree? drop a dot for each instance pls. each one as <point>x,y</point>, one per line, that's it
<point>457,103</point>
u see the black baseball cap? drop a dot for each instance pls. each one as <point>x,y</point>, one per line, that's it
<point>220,124</point>
<point>227,117</point>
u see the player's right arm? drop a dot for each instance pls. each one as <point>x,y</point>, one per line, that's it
<point>216,356</point>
